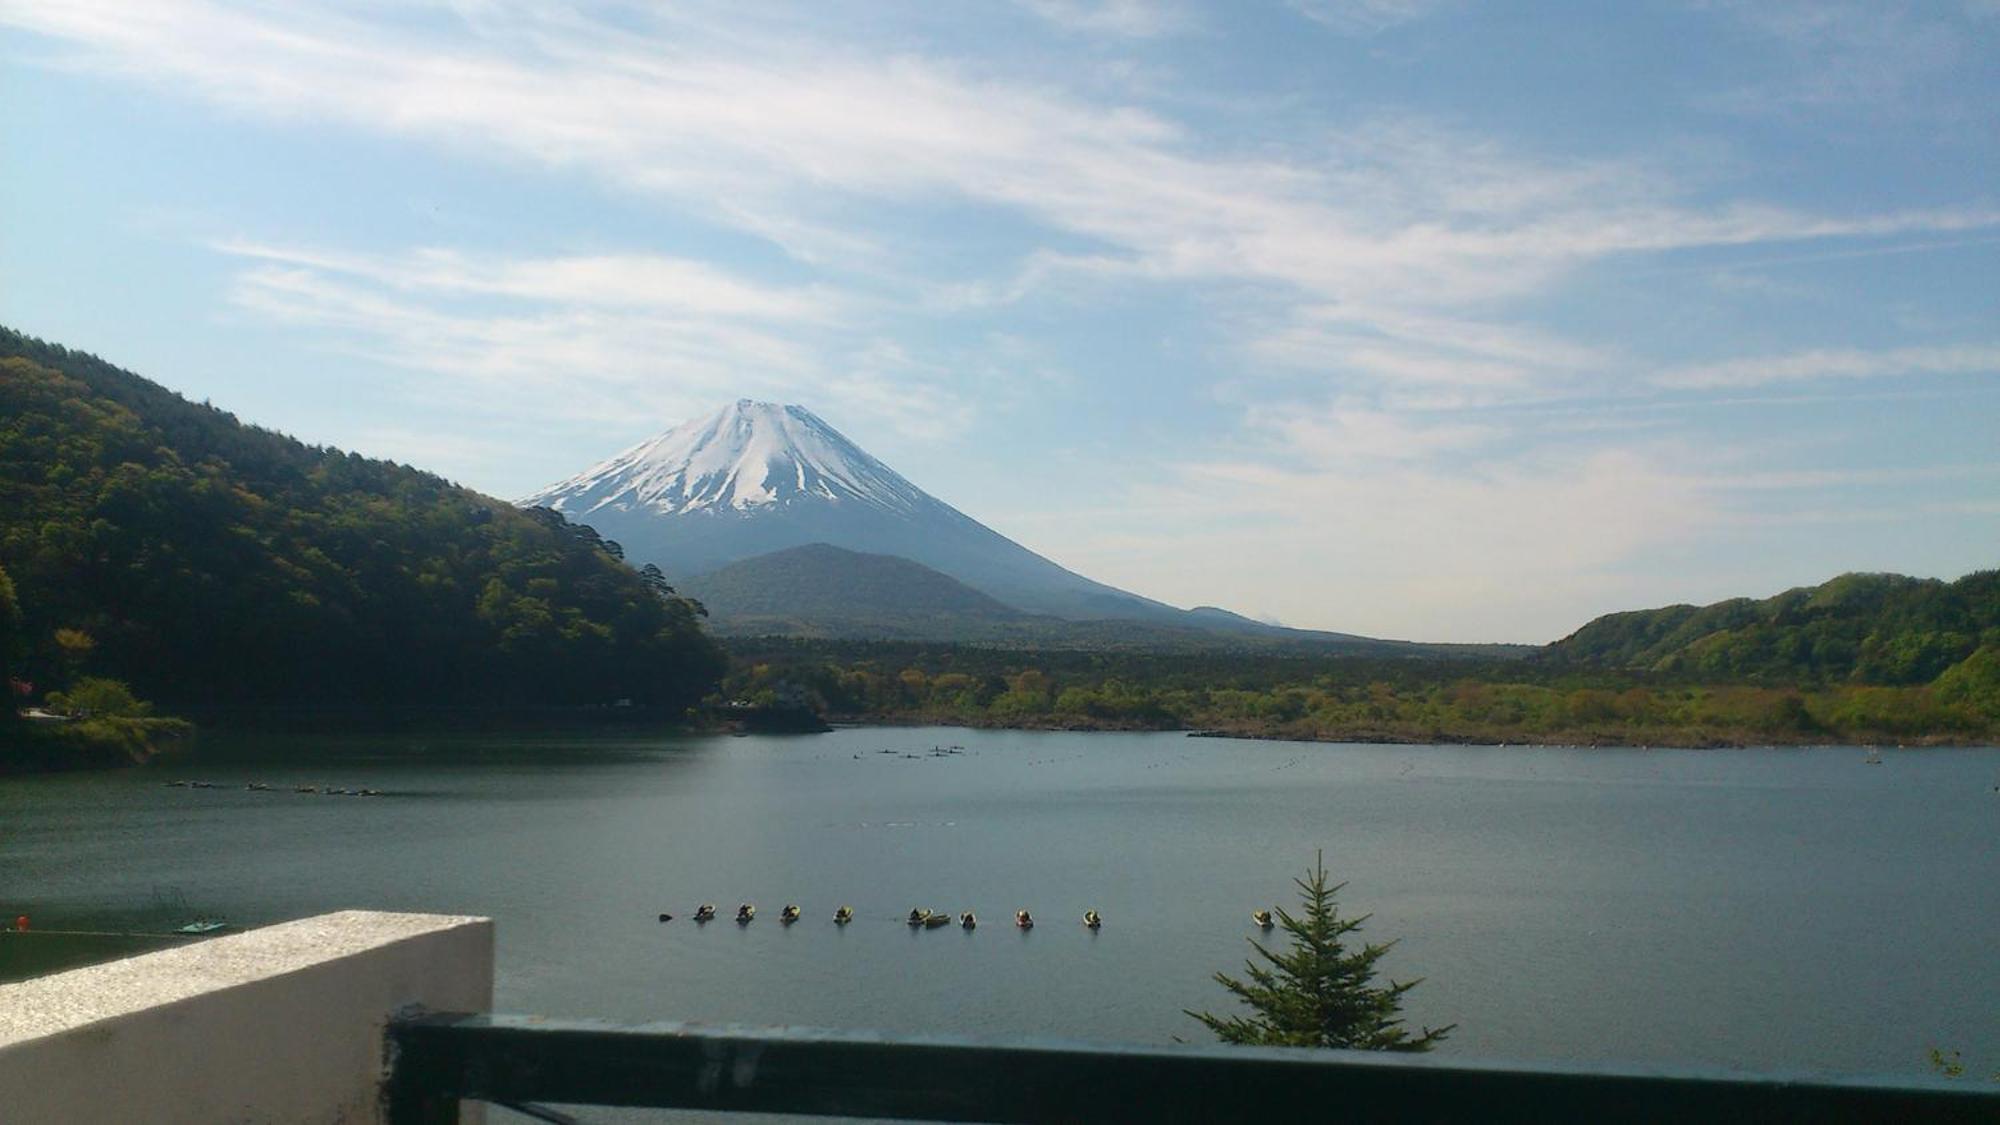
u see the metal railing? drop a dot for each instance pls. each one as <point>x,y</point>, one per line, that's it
<point>437,1060</point>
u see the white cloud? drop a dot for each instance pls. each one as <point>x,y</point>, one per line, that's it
<point>1139,19</point>
<point>609,280</point>
<point>1348,435</point>
<point>600,339</point>
<point>1365,17</point>
<point>1835,363</point>
<point>1874,57</point>
<point>780,136</point>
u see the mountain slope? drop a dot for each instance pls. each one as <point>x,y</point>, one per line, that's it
<point>211,562</point>
<point>820,590</point>
<point>1866,628</point>
<point>759,477</point>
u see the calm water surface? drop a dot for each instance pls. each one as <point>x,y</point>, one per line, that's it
<point>1766,908</point>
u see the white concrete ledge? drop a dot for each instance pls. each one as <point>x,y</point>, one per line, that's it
<point>278,1024</point>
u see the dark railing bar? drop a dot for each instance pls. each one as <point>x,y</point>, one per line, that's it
<point>538,1113</point>
<point>439,1059</point>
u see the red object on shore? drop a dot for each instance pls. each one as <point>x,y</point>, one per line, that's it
<point>21,923</point>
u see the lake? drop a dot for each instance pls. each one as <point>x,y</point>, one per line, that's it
<point>1755,908</point>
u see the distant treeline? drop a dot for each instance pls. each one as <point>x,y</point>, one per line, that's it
<point>1347,698</point>
<point>164,543</point>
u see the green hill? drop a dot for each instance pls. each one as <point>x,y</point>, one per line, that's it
<point>1857,628</point>
<point>210,562</point>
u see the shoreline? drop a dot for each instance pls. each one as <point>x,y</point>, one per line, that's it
<point>40,746</point>
<point>1573,740</point>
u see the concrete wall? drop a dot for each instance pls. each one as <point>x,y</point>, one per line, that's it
<point>278,1024</point>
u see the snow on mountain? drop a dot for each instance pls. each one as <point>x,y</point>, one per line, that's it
<point>757,477</point>
<point>746,455</point>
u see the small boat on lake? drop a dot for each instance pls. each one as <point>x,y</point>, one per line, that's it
<point>789,914</point>
<point>745,913</point>
<point>935,918</point>
<point>843,916</point>
<point>1091,920</point>
<point>202,926</point>
<point>1262,918</point>
<point>1024,920</point>
<point>705,912</point>
<point>919,917</point>
<point>966,921</point>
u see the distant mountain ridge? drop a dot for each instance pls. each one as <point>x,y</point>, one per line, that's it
<point>758,477</point>
<point>820,590</point>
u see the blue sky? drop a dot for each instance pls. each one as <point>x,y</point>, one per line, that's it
<point>1418,318</point>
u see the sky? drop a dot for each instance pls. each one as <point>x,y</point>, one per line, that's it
<point>1433,319</point>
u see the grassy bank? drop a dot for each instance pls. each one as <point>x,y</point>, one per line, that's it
<point>82,744</point>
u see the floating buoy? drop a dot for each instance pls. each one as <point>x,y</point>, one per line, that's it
<point>21,923</point>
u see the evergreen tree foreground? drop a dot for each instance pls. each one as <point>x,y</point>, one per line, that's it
<point>1320,993</point>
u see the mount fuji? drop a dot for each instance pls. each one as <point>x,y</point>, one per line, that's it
<point>757,477</point>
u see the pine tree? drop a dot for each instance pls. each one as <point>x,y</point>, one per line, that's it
<point>1320,993</point>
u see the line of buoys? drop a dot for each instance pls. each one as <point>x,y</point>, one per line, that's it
<point>922,918</point>
<point>918,918</point>
<point>261,787</point>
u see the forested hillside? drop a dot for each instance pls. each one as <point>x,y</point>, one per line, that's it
<point>206,561</point>
<point>1857,628</point>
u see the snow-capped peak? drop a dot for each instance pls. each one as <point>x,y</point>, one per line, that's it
<point>746,455</point>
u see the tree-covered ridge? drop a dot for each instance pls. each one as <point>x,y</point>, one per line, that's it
<point>1858,628</point>
<point>207,561</point>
